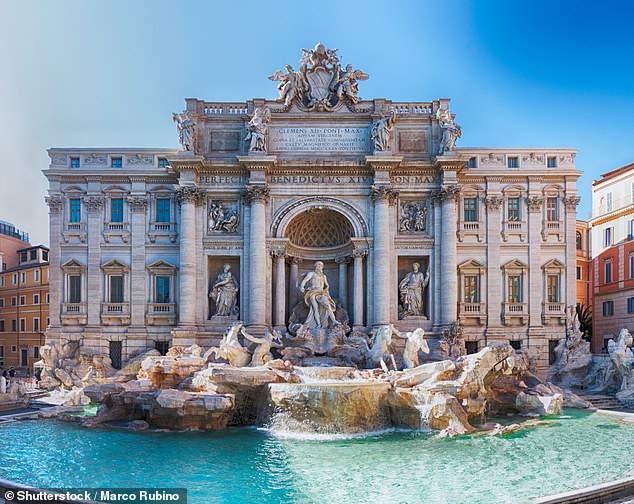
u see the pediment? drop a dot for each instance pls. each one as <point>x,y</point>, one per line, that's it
<point>114,264</point>
<point>161,265</point>
<point>514,264</point>
<point>554,264</point>
<point>73,264</point>
<point>471,264</point>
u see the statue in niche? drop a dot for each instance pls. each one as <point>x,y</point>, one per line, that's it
<point>290,84</point>
<point>381,131</point>
<point>221,219</point>
<point>413,218</point>
<point>316,292</point>
<point>256,129</point>
<point>186,126</point>
<point>411,289</point>
<point>450,131</point>
<point>224,293</point>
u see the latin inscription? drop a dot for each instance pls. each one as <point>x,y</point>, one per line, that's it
<point>223,179</point>
<point>320,179</point>
<point>319,139</point>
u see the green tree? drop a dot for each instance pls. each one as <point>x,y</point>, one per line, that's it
<point>584,314</point>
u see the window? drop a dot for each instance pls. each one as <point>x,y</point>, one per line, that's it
<point>14,326</point>
<point>162,162</point>
<point>1,302</point>
<point>33,254</point>
<point>471,289</point>
<point>578,272</point>
<point>15,279</point>
<point>608,308</point>
<point>1,325</point>
<point>162,294</point>
<point>471,209</point>
<point>48,298</point>
<point>75,210</point>
<point>513,210</point>
<point>24,257</point>
<point>2,279</point>
<point>116,289</point>
<point>48,321</point>
<point>607,237</point>
<point>116,162</point>
<point>36,299</point>
<point>74,162</point>
<point>36,325</point>
<point>44,255</point>
<point>552,284</point>
<point>607,271</point>
<point>609,202</point>
<point>162,210</point>
<point>23,275</point>
<point>579,241</point>
<point>162,347</point>
<point>22,300</point>
<point>22,325</point>
<point>551,162</point>
<point>14,348</point>
<point>516,345</point>
<point>514,289</point>
<point>630,305</point>
<point>74,289</point>
<point>552,213</point>
<point>513,162</point>
<point>630,229</point>
<point>472,162</point>
<point>36,352</point>
<point>14,300</point>
<point>116,210</point>
<point>36,275</point>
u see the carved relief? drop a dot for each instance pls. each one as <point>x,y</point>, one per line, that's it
<point>493,202</point>
<point>140,159</point>
<point>566,160</point>
<point>534,203</point>
<point>186,194</point>
<point>222,218</point>
<point>138,204</point>
<point>533,159</point>
<point>413,217</point>
<point>255,194</point>
<point>96,159</point>
<point>412,141</point>
<point>447,193</point>
<point>571,202</point>
<point>93,203</point>
<point>492,159</point>
<point>54,203</point>
<point>321,83</point>
<point>59,160</point>
<point>383,192</point>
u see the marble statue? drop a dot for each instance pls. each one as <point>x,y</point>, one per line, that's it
<point>413,218</point>
<point>452,343</point>
<point>320,83</point>
<point>380,346</point>
<point>622,358</point>
<point>3,385</point>
<point>381,131</point>
<point>450,131</point>
<point>411,289</point>
<point>415,342</point>
<point>573,358</point>
<point>256,129</point>
<point>316,292</point>
<point>186,129</point>
<point>290,84</point>
<point>262,353</point>
<point>224,293</point>
<point>231,349</point>
<point>222,219</point>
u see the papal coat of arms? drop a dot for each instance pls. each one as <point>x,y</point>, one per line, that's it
<point>321,83</point>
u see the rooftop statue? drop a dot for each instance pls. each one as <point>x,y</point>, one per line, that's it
<point>450,131</point>
<point>256,129</point>
<point>186,126</point>
<point>381,131</point>
<point>321,83</point>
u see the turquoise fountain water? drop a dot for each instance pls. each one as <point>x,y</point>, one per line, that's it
<point>251,465</point>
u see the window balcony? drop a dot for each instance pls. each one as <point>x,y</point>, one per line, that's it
<point>161,313</point>
<point>474,312</point>
<point>74,230</point>
<point>555,228</point>
<point>471,228</point>
<point>115,313</point>
<point>514,228</point>
<point>514,312</point>
<point>554,311</point>
<point>162,229</point>
<point>116,229</point>
<point>73,313</point>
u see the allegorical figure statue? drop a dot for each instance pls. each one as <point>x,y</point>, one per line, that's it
<point>256,130</point>
<point>316,292</point>
<point>290,84</point>
<point>412,288</point>
<point>224,293</point>
<point>381,130</point>
<point>450,131</point>
<point>186,126</point>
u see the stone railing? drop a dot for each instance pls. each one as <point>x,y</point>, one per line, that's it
<point>511,310</point>
<point>213,109</point>
<point>417,108</point>
<point>73,313</point>
<point>115,308</point>
<point>511,228</point>
<point>473,310</point>
<point>157,229</point>
<point>161,313</point>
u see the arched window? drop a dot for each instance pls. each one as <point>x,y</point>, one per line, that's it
<point>579,242</point>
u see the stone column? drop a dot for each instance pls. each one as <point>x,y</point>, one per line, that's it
<point>187,196</point>
<point>292,282</point>
<point>535,273</point>
<point>94,295</point>
<point>279,301</point>
<point>55,275</point>
<point>571,202</point>
<point>382,195</point>
<point>494,285</point>
<point>435,279</point>
<point>357,293</point>
<point>343,281</point>
<point>448,264</point>
<point>256,196</point>
<point>138,300</point>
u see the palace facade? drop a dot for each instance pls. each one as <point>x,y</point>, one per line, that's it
<point>158,247</point>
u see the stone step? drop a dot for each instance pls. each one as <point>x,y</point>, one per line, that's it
<point>604,402</point>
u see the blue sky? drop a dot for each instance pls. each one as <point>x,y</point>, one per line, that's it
<point>110,73</point>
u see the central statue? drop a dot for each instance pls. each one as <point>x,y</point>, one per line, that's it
<point>316,292</point>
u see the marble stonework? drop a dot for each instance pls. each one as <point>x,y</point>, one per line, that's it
<point>316,174</point>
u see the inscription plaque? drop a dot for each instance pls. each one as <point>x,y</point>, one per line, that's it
<point>319,139</point>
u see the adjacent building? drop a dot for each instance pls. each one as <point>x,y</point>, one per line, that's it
<point>11,240</point>
<point>24,307</point>
<point>142,240</point>
<point>613,254</point>
<point>583,244</point>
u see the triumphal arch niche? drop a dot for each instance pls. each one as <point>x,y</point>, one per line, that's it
<point>317,208</point>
